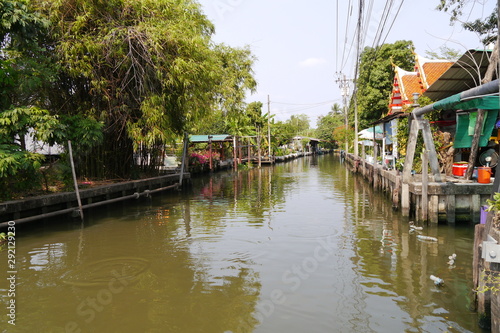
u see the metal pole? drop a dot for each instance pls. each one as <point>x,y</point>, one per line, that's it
<point>77,191</point>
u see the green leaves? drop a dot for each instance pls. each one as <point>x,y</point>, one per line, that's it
<point>154,57</point>
<point>494,205</point>
<point>13,160</point>
<point>376,77</point>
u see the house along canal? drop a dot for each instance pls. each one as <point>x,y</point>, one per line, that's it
<point>303,246</point>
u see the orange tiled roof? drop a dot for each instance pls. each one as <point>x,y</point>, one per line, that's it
<point>411,84</point>
<point>434,70</point>
<point>407,84</point>
<point>430,70</point>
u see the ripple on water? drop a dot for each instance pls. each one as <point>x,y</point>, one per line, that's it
<point>99,273</point>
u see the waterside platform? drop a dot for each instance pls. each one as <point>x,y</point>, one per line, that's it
<point>453,200</point>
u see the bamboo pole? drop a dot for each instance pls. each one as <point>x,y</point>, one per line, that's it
<point>75,182</point>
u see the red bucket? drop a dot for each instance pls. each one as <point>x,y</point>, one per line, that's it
<point>459,169</point>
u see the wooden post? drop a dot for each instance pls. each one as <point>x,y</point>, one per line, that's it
<point>475,143</point>
<point>75,182</point>
<point>477,262</point>
<point>410,151</point>
<point>408,166</point>
<point>258,149</point>
<point>235,153</point>
<point>240,151</point>
<point>184,156</point>
<point>210,162</point>
<point>425,186</point>
<point>249,152</point>
<point>269,126</point>
<point>431,149</point>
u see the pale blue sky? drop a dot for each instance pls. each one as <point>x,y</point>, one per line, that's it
<point>295,43</point>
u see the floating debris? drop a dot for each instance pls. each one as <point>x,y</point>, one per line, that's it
<point>452,258</point>
<point>427,238</point>
<point>437,281</point>
<point>414,227</point>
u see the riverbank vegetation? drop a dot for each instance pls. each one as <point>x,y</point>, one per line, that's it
<point>109,76</point>
<point>122,80</point>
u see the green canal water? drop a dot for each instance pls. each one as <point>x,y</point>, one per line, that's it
<point>304,246</point>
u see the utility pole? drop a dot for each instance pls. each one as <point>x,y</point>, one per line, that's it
<point>344,91</point>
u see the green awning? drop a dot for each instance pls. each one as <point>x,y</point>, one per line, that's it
<point>213,137</point>
<point>485,103</point>
<point>454,103</point>
<point>447,103</point>
<point>465,128</point>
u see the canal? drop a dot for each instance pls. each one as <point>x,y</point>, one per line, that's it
<point>304,246</point>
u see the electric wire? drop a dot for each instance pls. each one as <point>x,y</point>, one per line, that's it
<point>344,56</point>
<point>393,21</point>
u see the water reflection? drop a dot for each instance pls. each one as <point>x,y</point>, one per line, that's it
<point>301,246</point>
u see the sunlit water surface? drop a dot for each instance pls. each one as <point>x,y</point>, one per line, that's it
<point>304,246</point>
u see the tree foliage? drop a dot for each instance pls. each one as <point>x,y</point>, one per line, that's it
<point>376,76</point>
<point>146,68</point>
<point>327,124</point>
<point>444,53</point>
<point>299,124</point>
<point>486,28</point>
<point>23,70</point>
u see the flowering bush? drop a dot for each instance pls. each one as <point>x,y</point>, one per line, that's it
<point>203,157</point>
<point>196,158</point>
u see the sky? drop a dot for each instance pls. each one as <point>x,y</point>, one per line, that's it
<point>303,46</point>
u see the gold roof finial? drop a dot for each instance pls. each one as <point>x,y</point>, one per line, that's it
<point>392,62</point>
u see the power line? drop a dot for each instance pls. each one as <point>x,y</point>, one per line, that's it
<point>394,20</point>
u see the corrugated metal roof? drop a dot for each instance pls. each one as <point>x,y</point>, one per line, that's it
<point>213,137</point>
<point>464,74</point>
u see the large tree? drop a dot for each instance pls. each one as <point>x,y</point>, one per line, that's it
<point>376,76</point>
<point>327,124</point>
<point>146,68</point>
<point>23,70</point>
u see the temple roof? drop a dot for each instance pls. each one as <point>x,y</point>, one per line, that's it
<point>430,69</point>
<point>409,84</point>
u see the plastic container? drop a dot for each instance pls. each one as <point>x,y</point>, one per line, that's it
<point>437,281</point>
<point>484,214</point>
<point>484,175</point>
<point>459,169</point>
<point>428,238</point>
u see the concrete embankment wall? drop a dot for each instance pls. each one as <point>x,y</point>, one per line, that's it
<point>450,201</point>
<point>47,206</point>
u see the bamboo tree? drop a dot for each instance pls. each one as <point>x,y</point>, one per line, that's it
<point>147,69</point>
